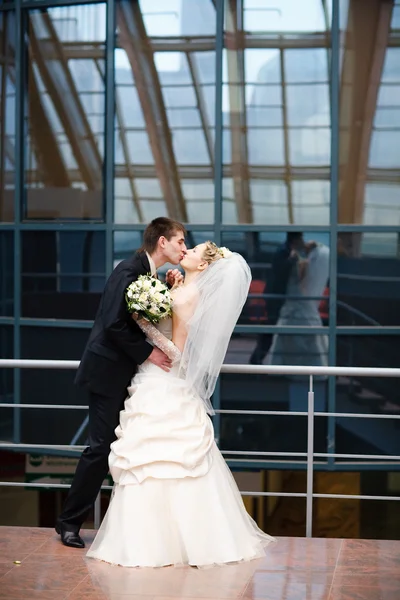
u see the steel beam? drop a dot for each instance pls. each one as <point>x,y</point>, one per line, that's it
<point>140,54</point>
<point>365,42</point>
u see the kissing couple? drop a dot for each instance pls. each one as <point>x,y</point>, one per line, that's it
<point>174,500</point>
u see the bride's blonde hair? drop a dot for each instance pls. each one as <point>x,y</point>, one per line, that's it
<point>211,252</point>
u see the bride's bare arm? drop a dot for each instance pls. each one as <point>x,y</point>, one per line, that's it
<point>185,300</point>
<point>179,332</point>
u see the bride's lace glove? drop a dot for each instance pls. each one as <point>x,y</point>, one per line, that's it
<point>159,340</point>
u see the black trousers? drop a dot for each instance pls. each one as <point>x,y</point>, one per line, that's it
<point>93,463</point>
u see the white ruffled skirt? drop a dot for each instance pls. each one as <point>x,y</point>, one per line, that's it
<point>175,501</point>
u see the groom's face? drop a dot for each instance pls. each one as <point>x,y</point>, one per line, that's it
<point>175,248</point>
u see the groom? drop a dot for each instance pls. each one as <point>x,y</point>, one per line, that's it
<point>115,348</point>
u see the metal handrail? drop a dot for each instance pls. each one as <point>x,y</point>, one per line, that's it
<point>24,363</point>
<point>242,369</point>
<point>282,413</point>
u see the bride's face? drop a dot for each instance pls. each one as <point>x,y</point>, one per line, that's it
<point>193,260</point>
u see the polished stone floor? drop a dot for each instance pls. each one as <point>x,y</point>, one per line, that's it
<point>293,569</point>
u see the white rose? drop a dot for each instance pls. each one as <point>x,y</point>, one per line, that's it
<point>143,298</point>
<point>159,285</point>
<point>158,297</point>
<point>226,253</point>
<point>130,294</point>
<point>146,285</point>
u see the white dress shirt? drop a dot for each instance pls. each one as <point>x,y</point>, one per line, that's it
<point>153,269</point>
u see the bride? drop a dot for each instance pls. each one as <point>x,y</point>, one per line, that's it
<point>175,501</point>
<point>307,281</point>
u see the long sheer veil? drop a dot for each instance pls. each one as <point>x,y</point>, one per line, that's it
<point>220,293</point>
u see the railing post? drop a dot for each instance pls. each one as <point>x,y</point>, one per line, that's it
<point>97,511</point>
<point>310,459</point>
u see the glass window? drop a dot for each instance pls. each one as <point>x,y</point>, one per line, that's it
<point>6,273</point>
<point>262,95</point>
<point>306,65</point>
<point>308,105</point>
<point>386,118</point>
<point>276,110</point>
<point>185,119</point>
<point>311,203</point>
<point>264,116</point>
<point>290,277</point>
<point>63,274</point>
<point>266,147</point>
<point>287,15</point>
<point>7,116</point>
<point>139,147</point>
<point>368,283</point>
<point>180,18</point>
<point>389,95</point>
<point>384,149</point>
<point>65,113</point>
<point>310,147</point>
<point>307,349</point>
<point>179,96</point>
<point>126,243</point>
<point>396,16</point>
<point>125,208</point>
<point>199,196</point>
<point>190,147</point>
<point>261,66</point>
<point>38,386</point>
<point>269,199</point>
<point>367,395</point>
<point>171,108</point>
<point>261,392</point>
<point>382,204</point>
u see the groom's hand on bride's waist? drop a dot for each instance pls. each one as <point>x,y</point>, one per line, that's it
<point>157,357</point>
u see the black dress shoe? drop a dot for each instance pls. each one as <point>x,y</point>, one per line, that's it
<point>70,538</point>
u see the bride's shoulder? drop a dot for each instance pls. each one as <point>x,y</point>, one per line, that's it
<point>184,301</point>
<point>184,294</point>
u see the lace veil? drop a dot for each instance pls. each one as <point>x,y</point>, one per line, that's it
<point>217,297</point>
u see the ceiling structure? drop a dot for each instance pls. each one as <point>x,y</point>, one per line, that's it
<point>276,113</point>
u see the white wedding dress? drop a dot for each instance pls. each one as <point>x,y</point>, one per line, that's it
<point>298,349</point>
<point>175,501</point>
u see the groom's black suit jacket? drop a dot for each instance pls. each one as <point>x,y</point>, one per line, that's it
<point>116,344</point>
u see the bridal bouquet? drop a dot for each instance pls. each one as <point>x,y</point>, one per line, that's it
<point>149,298</point>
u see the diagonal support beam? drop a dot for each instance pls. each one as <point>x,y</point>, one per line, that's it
<point>60,85</point>
<point>201,105</point>
<point>125,150</point>
<point>140,54</point>
<point>235,44</point>
<point>44,142</point>
<point>125,147</point>
<point>366,40</point>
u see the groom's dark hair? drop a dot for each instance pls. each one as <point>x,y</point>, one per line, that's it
<point>293,236</point>
<point>160,227</point>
